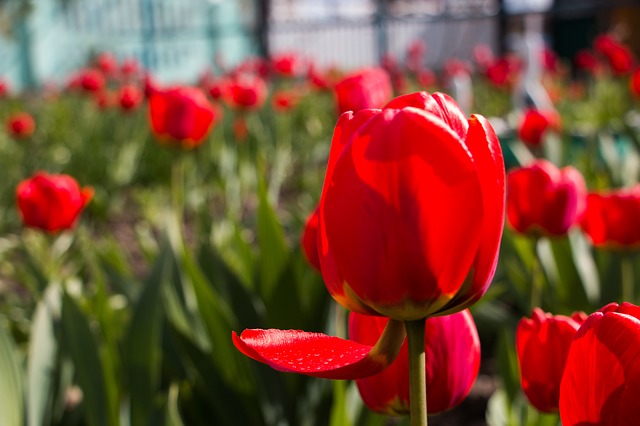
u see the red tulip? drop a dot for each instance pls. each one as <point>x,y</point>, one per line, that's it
<point>367,88</point>
<point>427,78</point>
<point>51,202</point>
<point>619,56</point>
<point>425,191</point>
<point>309,240</point>
<point>107,63</point>
<point>130,97</point>
<point>611,218</point>
<point>544,199</point>
<point>287,64</point>
<point>130,67</point>
<point>21,125</point>
<point>182,115</point>
<point>452,348</point>
<point>285,100</point>
<point>542,344</point>
<point>392,252</point>
<point>246,92</point>
<point>4,88</point>
<point>91,80</point>
<point>532,127</point>
<point>586,60</point>
<point>601,381</point>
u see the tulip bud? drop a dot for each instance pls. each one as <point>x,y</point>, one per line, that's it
<point>542,344</point>
<point>21,125</point>
<point>545,200</point>
<point>611,218</point>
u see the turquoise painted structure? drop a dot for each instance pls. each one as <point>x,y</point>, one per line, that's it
<point>176,39</point>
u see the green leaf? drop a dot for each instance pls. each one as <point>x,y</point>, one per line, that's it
<point>143,341</point>
<point>83,349</point>
<point>586,266</point>
<point>11,385</point>
<point>43,358</point>
<point>274,252</point>
<point>339,408</point>
<point>508,363</point>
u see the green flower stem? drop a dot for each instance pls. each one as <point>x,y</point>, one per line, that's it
<point>626,274</point>
<point>536,277</point>
<point>417,374</point>
<point>177,186</point>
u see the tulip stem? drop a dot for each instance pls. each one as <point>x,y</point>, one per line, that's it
<point>536,277</point>
<point>626,272</point>
<point>177,186</point>
<point>417,374</point>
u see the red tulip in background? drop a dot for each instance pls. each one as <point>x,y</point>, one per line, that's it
<point>612,218</point>
<point>452,362</point>
<point>601,381</point>
<point>20,125</point>
<point>532,127</point>
<point>285,100</point>
<point>309,240</point>
<point>425,190</point>
<point>4,88</point>
<point>543,199</point>
<point>130,97</point>
<point>107,63</point>
<point>367,88</point>
<point>182,115</point>
<point>287,64</point>
<point>542,344</point>
<point>619,56</point>
<point>586,60</point>
<point>51,202</point>
<point>246,92</point>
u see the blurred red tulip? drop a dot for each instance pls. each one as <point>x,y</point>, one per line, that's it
<point>51,202</point>
<point>452,359</point>
<point>415,55</point>
<point>601,381</point>
<point>4,88</point>
<point>20,125</point>
<point>182,115</point>
<point>130,97</point>
<point>322,80</point>
<point>634,83</point>
<point>619,56</point>
<point>240,129</point>
<point>216,88</point>
<point>542,345</point>
<point>391,233</point>
<point>88,80</point>
<point>611,219</point>
<point>533,127</point>
<point>246,92</point>
<point>367,88</point>
<point>285,100</point>
<point>586,60</point>
<point>483,56</point>
<point>543,199</point>
<point>107,64</point>
<point>287,64</point>
<point>427,78</point>
<point>309,240</point>
<point>103,99</point>
<point>130,68</point>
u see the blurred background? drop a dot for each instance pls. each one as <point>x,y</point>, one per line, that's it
<point>43,40</point>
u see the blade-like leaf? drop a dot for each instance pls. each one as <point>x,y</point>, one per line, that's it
<point>43,353</point>
<point>83,349</point>
<point>11,397</point>
<point>144,340</point>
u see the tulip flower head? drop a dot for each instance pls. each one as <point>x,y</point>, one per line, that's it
<point>425,190</point>
<point>532,127</point>
<point>366,88</point>
<point>130,97</point>
<point>452,349</point>
<point>611,218</point>
<point>20,125</point>
<point>181,115</point>
<point>51,202</point>
<point>601,380</point>
<point>246,92</point>
<point>543,199</point>
<point>542,345</point>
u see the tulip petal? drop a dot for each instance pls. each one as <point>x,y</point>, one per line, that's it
<point>601,380</point>
<point>320,355</point>
<point>485,148</point>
